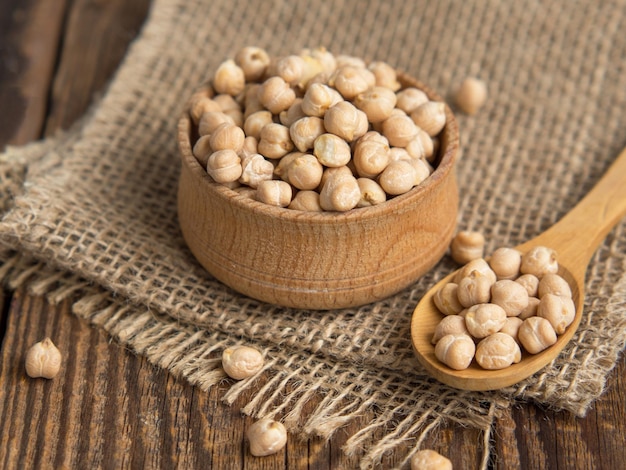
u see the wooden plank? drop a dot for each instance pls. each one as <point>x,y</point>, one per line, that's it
<point>30,32</point>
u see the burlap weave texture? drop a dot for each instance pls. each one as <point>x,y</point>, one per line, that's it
<point>95,211</point>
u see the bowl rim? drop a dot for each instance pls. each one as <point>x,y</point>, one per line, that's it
<point>399,204</point>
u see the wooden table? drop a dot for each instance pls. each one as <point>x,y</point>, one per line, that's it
<point>111,409</point>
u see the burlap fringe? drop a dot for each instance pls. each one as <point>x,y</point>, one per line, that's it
<point>280,390</point>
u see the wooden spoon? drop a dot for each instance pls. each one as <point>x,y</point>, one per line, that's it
<point>575,238</point>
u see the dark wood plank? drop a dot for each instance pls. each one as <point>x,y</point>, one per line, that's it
<point>30,32</point>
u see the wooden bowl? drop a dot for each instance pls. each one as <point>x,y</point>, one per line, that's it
<point>322,260</point>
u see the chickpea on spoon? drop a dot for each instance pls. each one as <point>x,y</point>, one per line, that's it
<point>598,212</point>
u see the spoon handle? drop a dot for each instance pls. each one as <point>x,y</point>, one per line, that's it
<point>579,233</point>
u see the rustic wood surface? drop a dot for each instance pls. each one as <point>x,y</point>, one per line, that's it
<point>110,408</point>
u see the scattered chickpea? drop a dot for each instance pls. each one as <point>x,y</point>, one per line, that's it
<point>466,246</point>
<point>509,295</point>
<point>274,192</point>
<point>558,310</point>
<point>539,260</point>
<point>242,362</point>
<point>430,117</point>
<point>497,351</point>
<point>536,334</point>
<point>224,166</point>
<point>471,95</point>
<point>331,150</point>
<point>455,351</point>
<point>266,437</point>
<point>43,359</point>
<point>371,193</point>
<point>430,460</point>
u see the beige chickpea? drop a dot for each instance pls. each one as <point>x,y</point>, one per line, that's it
<point>333,172</point>
<point>430,460</point>
<point>471,95</point>
<point>274,141</point>
<point>227,136</point>
<point>479,265</point>
<point>377,103</point>
<point>211,120</point>
<point>266,437</point>
<point>539,260</point>
<point>292,114</point>
<point>340,193</point>
<point>255,168</point>
<point>446,299</point>
<point>224,166</point>
<point>553,284</point>
<point>422,168</point>
<point>455,351</point>
<point>345,59</point>
<point>497,351</point>
<point>346,121</point>
<point>483,320</point>
<point>371,193</point>
<point>250,147</point>
<point>229,78</point>
<point>385,75</point>
<point>308,201</point>
<point>506,262</point>
<point>474,289</point>
<point>558,310</point>
<point>276,95</point>
<point>466,246</point>
<point>536,334</point>
<point>291,69</point>
<point>399,153</point>
<point>530,283</point>
<point>227,103</point>
<point>530,310</point>
<point>242,362</point>
<point>511,327</point>
<point>430,117</point>
<point>253,61</point>
<point>246,192</point>
<point>398,177</point>
<point>509,295</point>
<point>274,192</point>
<point>349,81</point>
<point>319,98</point>
<point>202,150</point>
<point>371,156</point>
<point>201,106</point>
<point>409,99</point>
<point>399,129</point>
<point>449,325</point>
<point>331,150</point>
<point>303,171</point>
<point>304,131</point>
<point>251,103</point>
<point>255,122</point>
<point>324,56</point>
<point>43,359</point>
<point>421,146</point>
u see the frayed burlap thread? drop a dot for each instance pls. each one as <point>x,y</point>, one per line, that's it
<point>92,215</point>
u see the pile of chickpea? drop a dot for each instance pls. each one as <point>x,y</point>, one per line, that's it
<point>314,131</point>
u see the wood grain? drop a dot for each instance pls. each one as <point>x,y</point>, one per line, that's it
<point>111,409</point>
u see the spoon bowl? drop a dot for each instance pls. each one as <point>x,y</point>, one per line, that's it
<point>575,238</point>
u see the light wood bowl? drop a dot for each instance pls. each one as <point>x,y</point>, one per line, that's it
<point>318,261</point>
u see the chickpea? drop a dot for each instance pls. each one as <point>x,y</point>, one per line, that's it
<point>511,327</point>
<point>474,289</point>
<point>333,172</point>
<point>340,193</point>
<point>303,171</point>
<point>226,103</point>
<point>274,141</point>
<point>398,177</point>
<point>471,95</point>
<point>251,100</point>
<point>253,61</point>
<point>242,362</point>
<point>377,103</point>
<point>430,117</point>
<point>479,265</point>
<point>266,437</point>
<point>346,121</point>
<point>304,131</point>
<point>200,105</point>
<point>430,460</point>
<point>308,201</point>
<point>331,150</point>
<point>224,166</point>
<point>292,114</point>
<point>399,129</point>
<point>446,299</point>
<point>274,192</point>
<point>509,295</point>
<point>536,334</point>
<point>553,284</point>
<point>323,56</point>
<point>530,283</point>
<point>409,99</point>
<point>506,262</point>
<point>227,136</point>
<point>255,168</point>
<point>350,81</point>
<point>255,122</point>
<point>497,351</point>
<point>202,150</point>
<point>449,325</point>
<point>539,260</point>
<point>211,120</point>
<point>319,98</point>
<point>483,320</point>
<point>385,75</point>
<point>371,156</point>
<point>344,59</point>
<point>530,310</point>
<point>371,193</point>
<point>43,359</point>
<point>276,95</point>
<point>455,351</point>
<point>558,310</point>
<point>422,169</point>
<point>421,146</point>
<point>291,69</point>
<point>466,246</point>
<point>399,153</point>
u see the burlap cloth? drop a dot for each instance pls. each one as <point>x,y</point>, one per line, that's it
<point>93,212</point>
